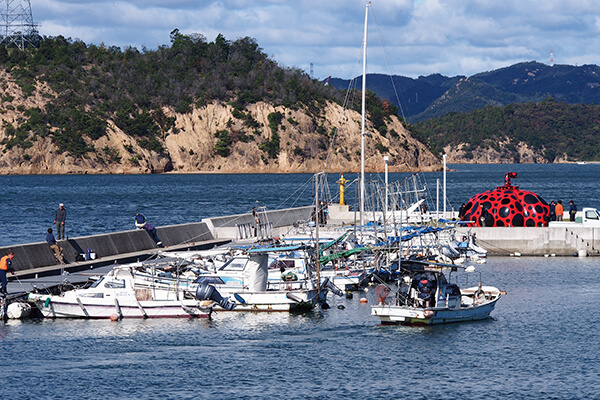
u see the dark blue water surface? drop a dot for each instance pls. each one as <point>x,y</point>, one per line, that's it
<point>542,343</point>
<point>107,203</point>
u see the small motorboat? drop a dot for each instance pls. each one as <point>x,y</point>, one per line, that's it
<point>125,293</point>
<point>425,296</point>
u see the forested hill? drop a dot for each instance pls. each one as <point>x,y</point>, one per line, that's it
<point>548,131</point>
<point>193,105</point>
<point>436,95</point>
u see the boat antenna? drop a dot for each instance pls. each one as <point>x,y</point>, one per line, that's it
<point>362,126</point>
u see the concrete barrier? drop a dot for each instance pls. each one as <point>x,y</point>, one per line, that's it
<point>226,227</point>
<point>36,255</point>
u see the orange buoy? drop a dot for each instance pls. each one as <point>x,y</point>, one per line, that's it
<point>114,317</point>
<point>363,300</point>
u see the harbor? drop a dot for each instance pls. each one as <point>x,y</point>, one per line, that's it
<point>343,339</point>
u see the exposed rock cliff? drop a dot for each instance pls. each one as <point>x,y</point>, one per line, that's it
<point>307,143</point>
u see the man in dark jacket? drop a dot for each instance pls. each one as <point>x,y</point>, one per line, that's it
<point>572,210</point>
<point>59,220</point>
<point>54,246</point>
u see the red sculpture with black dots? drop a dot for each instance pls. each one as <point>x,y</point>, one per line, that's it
<point>506,206</point>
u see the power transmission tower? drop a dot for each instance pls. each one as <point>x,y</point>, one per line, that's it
<point>17,26</point>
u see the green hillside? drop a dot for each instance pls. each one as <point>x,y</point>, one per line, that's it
<point>552,129</point>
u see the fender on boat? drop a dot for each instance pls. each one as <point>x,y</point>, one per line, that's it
<point>208,292</point>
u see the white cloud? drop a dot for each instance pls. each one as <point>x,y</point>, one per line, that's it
<point>452,37</point>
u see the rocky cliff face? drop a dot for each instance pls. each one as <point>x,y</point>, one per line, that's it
<point>308,143</point>
<point>519,154</point>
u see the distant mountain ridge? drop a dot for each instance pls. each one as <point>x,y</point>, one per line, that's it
<point>436,95</point>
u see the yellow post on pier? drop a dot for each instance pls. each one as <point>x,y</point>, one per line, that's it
<point>342,182</point>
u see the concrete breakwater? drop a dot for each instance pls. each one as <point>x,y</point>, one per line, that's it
<point>37,259</point>
<point>538,241</point>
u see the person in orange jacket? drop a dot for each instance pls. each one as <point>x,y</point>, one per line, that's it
<point>560,210</point>
<point>5,267</point>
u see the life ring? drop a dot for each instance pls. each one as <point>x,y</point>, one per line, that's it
<point>290,276</point>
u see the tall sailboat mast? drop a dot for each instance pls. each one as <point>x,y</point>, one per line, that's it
<point>363,117</point>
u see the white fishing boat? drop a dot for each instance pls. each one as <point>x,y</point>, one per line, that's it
<point>243,274</point>
<point>126,292</point>
<point>424,296</point>
<point>247,280</point>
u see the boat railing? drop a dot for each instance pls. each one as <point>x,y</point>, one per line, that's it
<point>462,280</point>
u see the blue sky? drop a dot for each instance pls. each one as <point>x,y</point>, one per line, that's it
<point>406,37</point>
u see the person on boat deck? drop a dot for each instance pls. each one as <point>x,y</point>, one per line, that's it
<point>5,267</point>
<point>54,246</point>
<point>426,288</point>
<point>559,209</point>
<point>572,210</point>
<point>140,223</point>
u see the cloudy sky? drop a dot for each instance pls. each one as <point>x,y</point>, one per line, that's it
<point>406,37</point>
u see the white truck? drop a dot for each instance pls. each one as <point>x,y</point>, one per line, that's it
<point>588,217</point>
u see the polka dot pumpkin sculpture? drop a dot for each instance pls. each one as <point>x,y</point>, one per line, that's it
<point>507,206</point>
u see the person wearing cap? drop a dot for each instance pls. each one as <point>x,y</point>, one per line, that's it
<point>59,220</point>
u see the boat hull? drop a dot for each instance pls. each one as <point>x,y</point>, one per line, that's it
<point>70,307</point>
<point>280,300</point>
<point>392,315</point>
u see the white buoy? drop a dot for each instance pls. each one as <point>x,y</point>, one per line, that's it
<point>18,310</point>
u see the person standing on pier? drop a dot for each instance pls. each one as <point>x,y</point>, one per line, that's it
<point>572,210</point>
<point>5,267</point>
<point>559,209</point>
<point>552,210</point>
<point>59,220</point>
<point>54,246</point>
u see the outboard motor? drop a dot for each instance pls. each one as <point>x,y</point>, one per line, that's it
<point>208,292</point>
<point>327,284</point>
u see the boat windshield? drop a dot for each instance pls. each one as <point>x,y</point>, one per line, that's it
<point>235,264</point>
<point>95,284</point>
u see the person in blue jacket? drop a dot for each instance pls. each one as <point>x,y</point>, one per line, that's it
<point>140,223</point>
<point>426,288</point>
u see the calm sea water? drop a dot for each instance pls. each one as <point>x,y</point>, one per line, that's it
<point>542,342</point>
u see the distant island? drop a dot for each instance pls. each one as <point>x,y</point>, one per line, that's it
<point>193,106</point>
